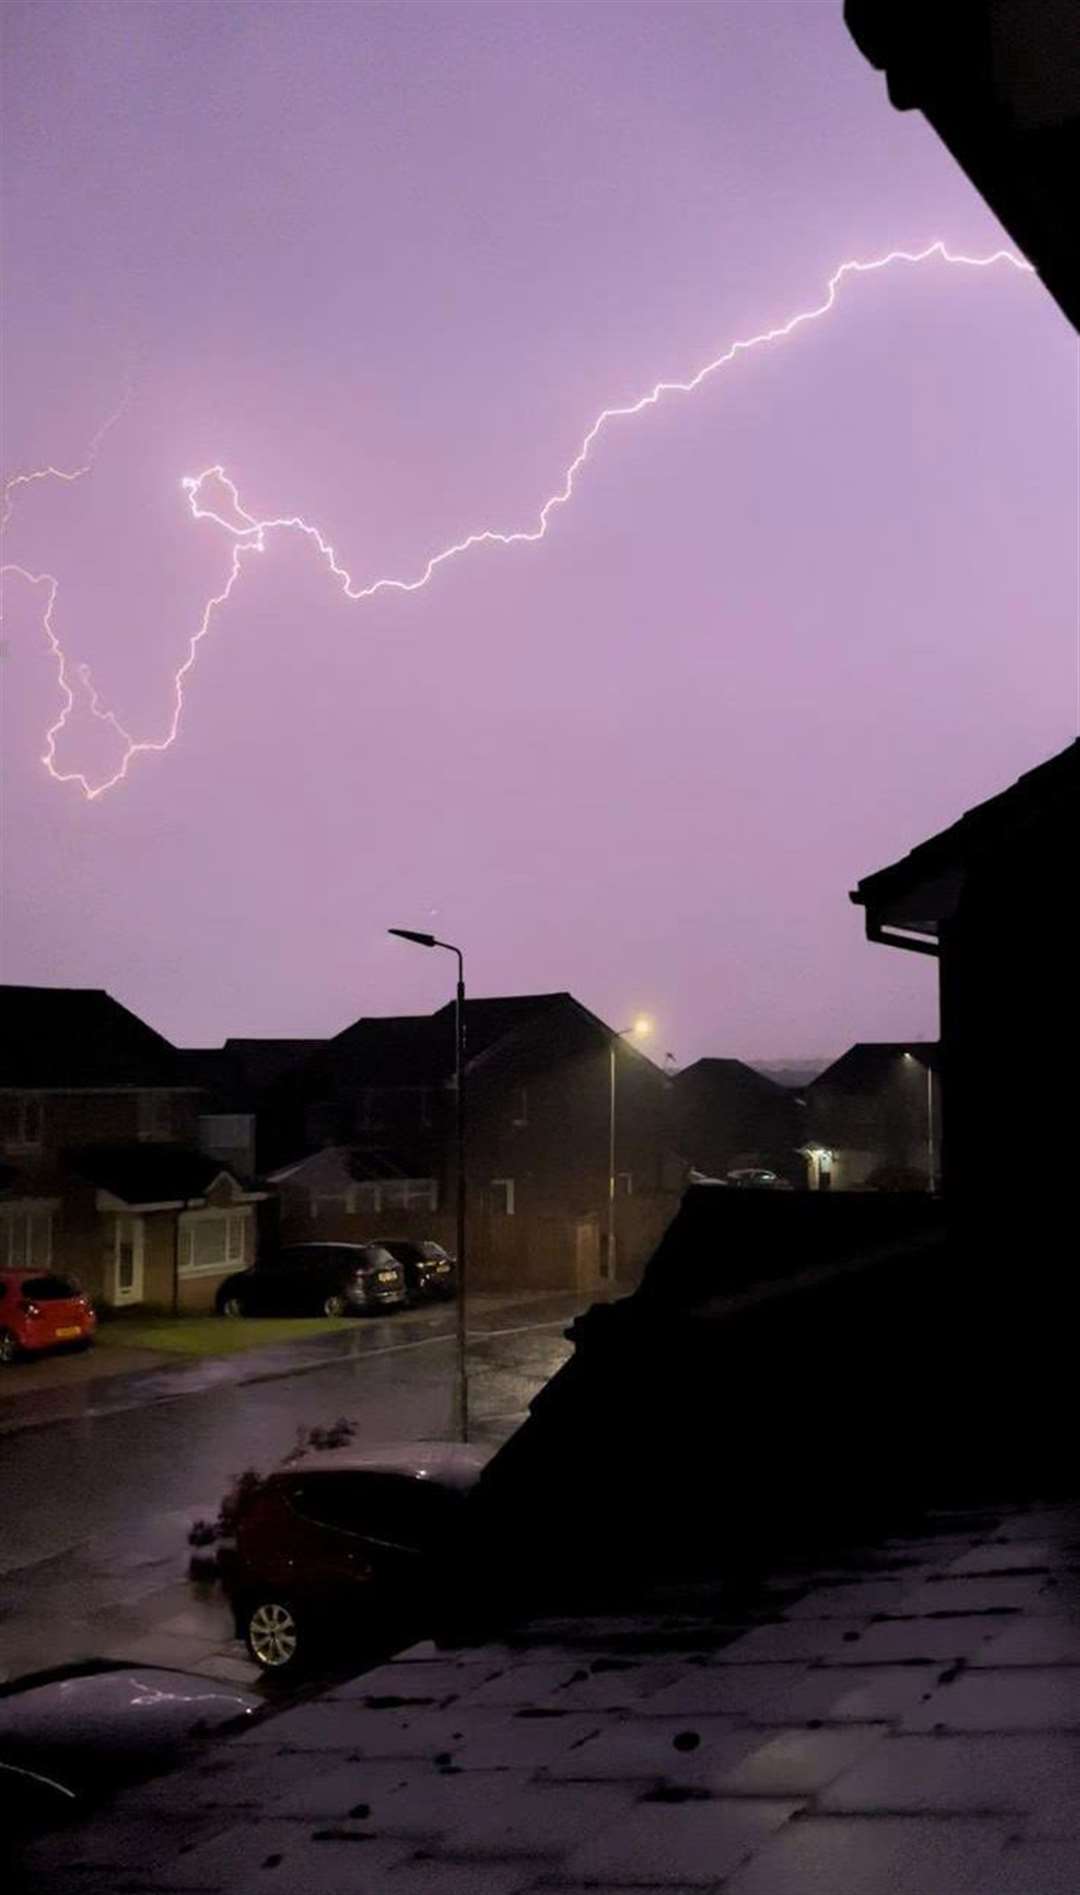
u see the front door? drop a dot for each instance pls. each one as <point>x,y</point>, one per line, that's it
<point>128,1261</point>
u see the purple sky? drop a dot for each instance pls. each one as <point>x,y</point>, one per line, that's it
<point>388,264</point>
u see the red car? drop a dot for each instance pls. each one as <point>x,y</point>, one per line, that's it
<point>346,1547</point>
<point>40,1312</point>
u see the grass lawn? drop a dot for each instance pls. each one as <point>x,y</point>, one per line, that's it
<point>211,1335</point>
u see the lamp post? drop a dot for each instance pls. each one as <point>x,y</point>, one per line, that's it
<point>641,1029</point>
<point>429,941</point>
<point>930,1181</point>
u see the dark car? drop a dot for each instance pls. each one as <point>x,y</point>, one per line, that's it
<point>315,1280</point>
<point>430,1272</point>
<point>73,1737</point>
<point>345,1549</point>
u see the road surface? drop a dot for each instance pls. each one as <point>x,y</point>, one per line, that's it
<point>95,1510</point>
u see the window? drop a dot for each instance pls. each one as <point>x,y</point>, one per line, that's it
<point>20,1122</point>
<point>502,1197</point>
<point>25,1239</point>
<point>213,1240</point>
<point>408,1194</point>
<point>395,1194</point>
<point>224,1134</point>
<point>155,1116</point>
<point>519,1118</point>
<point>50,1289</point>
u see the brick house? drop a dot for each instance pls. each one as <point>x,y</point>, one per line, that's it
<point>100,1174</point>
<point>991,899</point>
<point>726,1116</point>
<point>380,1098</point>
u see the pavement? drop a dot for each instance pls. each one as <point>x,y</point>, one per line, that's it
<point>101,1479</point>
<point>901,1718</point>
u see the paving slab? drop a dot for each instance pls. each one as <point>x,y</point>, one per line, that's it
<point>695,1843</point>
<point>1034,1776</point>
<point>1006,1700</point>
<point>883,1856</point>
<point>651,1750</point>
<point>796,1762</point>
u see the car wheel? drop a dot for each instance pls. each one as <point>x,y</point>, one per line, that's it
<point>9,1348</point>
<point>272,1636</point>
<point>230,1306</point>
<point>333,1306</point>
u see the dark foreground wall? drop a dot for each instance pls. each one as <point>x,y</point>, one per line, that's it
<point>695,1428</point>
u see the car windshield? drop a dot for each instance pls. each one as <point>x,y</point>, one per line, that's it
<point>434,1253</point>
<point>49,1289</point>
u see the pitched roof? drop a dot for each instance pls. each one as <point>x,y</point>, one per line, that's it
<point>60,1037</point>
<point>150,1174</point>
<point>236,1073</point>
<point>490,1020</point>
<point>419,1049</point>
<point>728,1076</point>
<point>922,888</point>
<point>870,1062</point>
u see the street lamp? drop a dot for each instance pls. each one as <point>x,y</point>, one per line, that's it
<point>910,1057</point>
<point>429,941</point>
<point>640,1030</point>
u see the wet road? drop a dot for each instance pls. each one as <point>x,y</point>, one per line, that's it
<point>95,1509</point>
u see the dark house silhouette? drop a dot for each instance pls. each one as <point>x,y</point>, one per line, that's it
<point>380,1095</point>
<point>726,1116</point>
<point>1000,84</point>
<point>993,898</point>
<point>873,1119</point>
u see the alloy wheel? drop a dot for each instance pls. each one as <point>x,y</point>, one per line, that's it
<point>272,1635</point>
<point>334,1306</point>
<point>9,1348</point>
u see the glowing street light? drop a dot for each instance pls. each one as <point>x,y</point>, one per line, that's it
<point>429,941</point>
<point>912,1061</point>
<point>640,1030</point>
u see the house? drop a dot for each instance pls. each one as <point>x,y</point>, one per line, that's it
<point>100,1174</point>
<point>992,898</point>
<point>380,1098</point>
<point>1000,84</point>
<point>727,1116</point>
<point>873,1119</point>
<point>233,1080</point>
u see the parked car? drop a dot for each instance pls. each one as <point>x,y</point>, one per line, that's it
<point>344,1548</point>
<point>315,1280</point>
<point>430,1272</point>
<point>39,1311</point>
<point>755,1178</point>
<point>72,1737</point>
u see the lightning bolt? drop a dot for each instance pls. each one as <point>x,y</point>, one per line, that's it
<point>250,536</point>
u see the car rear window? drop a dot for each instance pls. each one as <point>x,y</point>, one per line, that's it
<point>385,1507</point>
<point>49,1289</point>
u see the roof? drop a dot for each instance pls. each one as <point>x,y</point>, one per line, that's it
<point>447,1463</point>
<point>420,1049</point>
<point>1000,85</point>
<point>61,1037</point>
<point>343,1165</point>
<point>728,1075</point>
<point>240,1070</point>
<point>490,1020</point>
<point>922,889</point>
<point>869,1062</point>
<point>152,1174</point>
